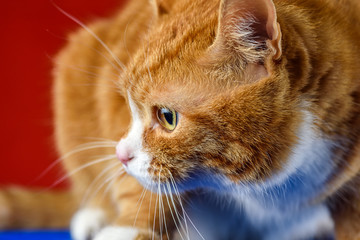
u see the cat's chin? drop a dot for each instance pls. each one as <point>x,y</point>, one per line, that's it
<point>195,180</point>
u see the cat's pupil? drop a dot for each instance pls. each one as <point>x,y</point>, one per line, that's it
<point>169,117</point>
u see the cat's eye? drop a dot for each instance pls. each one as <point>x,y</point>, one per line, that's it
<point>167,118</point>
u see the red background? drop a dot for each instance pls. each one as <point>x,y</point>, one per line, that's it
<point>32,32</point>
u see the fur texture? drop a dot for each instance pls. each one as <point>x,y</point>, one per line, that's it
<point>268,100</point>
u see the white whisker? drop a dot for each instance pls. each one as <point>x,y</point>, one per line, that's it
<point>117,60</point>
<point>171,212</point>
<point>142,197</point>
<point>176,213</point>
<point>89,188</point>
<point>104,159</point>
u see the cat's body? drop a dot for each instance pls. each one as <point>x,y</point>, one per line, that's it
<point>267,132</point>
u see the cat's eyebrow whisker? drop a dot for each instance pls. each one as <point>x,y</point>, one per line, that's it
<point>98,177</point>
<point>82,68</point>
<point>119,70</point>
<point>105,46</point>
<point>104,159</point>
<point>124,39</point>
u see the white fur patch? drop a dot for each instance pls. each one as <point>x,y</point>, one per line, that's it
<point>309,148</point>
<point>139,165</point>
<point>319,223</point>
<point>117,233</point>
<point>310,157</point>
<point>86,223</point>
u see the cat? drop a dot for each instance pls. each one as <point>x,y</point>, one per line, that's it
<point>233,119</point>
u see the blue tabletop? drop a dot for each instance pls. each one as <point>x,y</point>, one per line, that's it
<point>35,235</point>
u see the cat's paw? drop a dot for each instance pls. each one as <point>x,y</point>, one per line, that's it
<point>86,223</point>
<point>124,233</point>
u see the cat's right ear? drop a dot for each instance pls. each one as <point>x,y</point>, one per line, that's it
<point>249,30</point>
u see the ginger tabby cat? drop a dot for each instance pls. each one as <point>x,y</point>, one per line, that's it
<point>233,119</point>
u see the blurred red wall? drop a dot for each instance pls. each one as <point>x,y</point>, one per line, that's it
<point>32,32</point>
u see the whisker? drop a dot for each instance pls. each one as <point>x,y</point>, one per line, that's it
<point>160,207</point>
<point>119,173</point>
<point>80,148</point>
<point>108,158</point>
<point>107,180</point>
<point>142,197</point>
<point>116,59</point>
<point>171,212</point>
<point>150,206</point>
<point>184,212</point>
<point>164,214</point>
<point>180,202</point>
<point>156,203</point>
<point>175,210</point>
<point>89,188</point>
<point>104,140</point>
<point>194,226</point>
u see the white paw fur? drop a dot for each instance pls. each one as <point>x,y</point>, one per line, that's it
<point>86,223</point>
<point>117,233</point>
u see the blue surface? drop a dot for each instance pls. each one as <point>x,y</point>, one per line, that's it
<point>35,235</point>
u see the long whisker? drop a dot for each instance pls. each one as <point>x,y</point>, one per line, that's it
<point>156,203</point>
<point>167,192</point>
<point>160,213</point>
<point>114,84</point>
<point>142,197</point>
<point>80,148</point>
<point>107,180</point>
<point>164,214</point>
<point>194,226</point>
<point>104,159</point>
<point>117,60</point>
<point>175,210</point>
<point>119,173</point>
<point>184,212</point>
<point>150,206</point>
<point>180,202</point>
<point>89,188</point>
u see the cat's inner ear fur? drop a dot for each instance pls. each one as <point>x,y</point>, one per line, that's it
<point>248,29</point>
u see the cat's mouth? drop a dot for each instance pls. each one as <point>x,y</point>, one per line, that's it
<point>161,180</point>
<point>156,180</point>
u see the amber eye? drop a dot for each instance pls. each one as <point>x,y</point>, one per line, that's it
<point>167,118</point>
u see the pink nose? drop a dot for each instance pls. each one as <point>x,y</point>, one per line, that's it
<point>123,154</point>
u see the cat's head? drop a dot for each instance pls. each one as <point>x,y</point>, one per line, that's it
<point>208,96</point>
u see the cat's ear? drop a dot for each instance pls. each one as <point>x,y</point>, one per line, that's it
<point>161,7</point>
<point>249,28</point>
